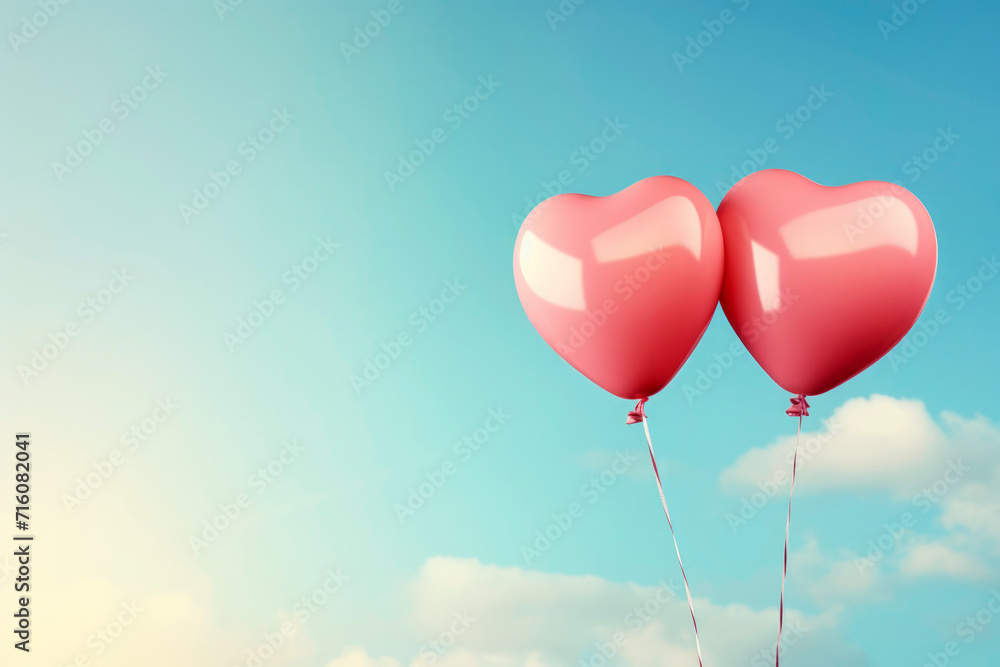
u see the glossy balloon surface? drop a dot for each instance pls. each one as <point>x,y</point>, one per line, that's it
<point>820,282</point>
<point>622,287</point>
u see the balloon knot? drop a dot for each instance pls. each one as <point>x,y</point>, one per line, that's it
<point>800,407</point>
<point>639,414</point>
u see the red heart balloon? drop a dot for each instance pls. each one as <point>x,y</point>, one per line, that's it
<point>820,282</point>
<point>624,286</point>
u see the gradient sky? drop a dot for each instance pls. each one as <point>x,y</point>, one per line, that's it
<point>266,100</point>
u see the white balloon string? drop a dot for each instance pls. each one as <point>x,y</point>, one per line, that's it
<point>784,569</point>
<point>666,511</point>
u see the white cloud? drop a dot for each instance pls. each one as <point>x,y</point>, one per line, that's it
<point>940,559</point>
<point>975,507</point>
<point>121,598</point>
<point>850,578</point>
<point>878,443</point>
<point>833,580</point>
<point>951,464</point>
<point>518,617</point>
<point>116,625</point>
<point>355,656</point>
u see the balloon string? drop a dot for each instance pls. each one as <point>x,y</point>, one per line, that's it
<point>800,408</point>
<point>639,414</point>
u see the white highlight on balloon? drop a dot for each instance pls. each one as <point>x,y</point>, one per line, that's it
<point>673,221</point>
<point>551,274</point>
<point>766,267</point>
<point>874,222</point>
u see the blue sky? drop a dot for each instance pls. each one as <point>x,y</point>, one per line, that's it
<point>288,137</point>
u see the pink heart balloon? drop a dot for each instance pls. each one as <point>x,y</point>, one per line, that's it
<point>622,287</point>
<point>820,282</point>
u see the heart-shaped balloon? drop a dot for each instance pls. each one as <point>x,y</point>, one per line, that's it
<point>820,282</point>
<point>622,287</point>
